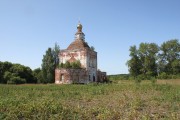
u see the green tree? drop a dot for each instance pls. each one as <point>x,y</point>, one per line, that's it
<point>73,65</point>
<point>15,73</point>
<point>169,57</point>
<point>16,80</point>
<point>55,52</point>
<point>76,64</point>
<point>175,67</point>
<point>38,75</point>
<point>143,62</point>
<point>8,75</point>
<point>134,64</point>
<point>23,72</point>
<point>148,56</point>
<point>67,65</point>
<point>48,67</point>
<point>4,66</point>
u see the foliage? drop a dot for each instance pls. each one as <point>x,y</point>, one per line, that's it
<point>55,52</point>
<point>150,61</point>
<point>148,56</point>
<point>50,61</point>
<point>38,75</point>
<point>169,57</point>
<point>90,102</point>
<point>15,73</point>
<point>4,66</point>
<point>16,80</point>
<point>48,67</point>
<point>13,78</point>
<point>118,77</point>
<point>138,79</point>
<point>163,75</point>
<point>74,65</point>
<point>134,63</point>
<point>67,65</point>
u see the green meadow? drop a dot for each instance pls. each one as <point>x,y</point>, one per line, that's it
<point>121,100</point>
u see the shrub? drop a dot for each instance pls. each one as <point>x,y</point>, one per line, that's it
<point>141,77</point>
<point>74,65</point>
<point>138,79</point>
<point>163,75</point>
<point>16,80</point>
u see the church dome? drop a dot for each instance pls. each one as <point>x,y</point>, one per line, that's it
<point>79,26</point>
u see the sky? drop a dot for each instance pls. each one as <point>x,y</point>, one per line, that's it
<point>29,27</point>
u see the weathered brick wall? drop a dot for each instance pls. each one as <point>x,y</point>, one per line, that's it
<point>80,55</point>
<point>102,77</point>
<point>92,65</point>
<point>71,76</point>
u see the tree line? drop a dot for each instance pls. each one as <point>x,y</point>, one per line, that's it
<point>11,73</point>
<point>15,74</point>
<point>149,61</point>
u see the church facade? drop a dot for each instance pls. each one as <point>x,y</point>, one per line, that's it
<point>78,53</point>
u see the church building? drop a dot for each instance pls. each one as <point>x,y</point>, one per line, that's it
<point>78,63</point>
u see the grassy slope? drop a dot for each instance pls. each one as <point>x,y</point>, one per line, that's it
<point>104,101</point>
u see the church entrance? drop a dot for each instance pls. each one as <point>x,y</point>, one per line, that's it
<point>94,79</point>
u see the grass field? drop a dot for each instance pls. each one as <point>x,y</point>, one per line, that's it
<point>123,100</point>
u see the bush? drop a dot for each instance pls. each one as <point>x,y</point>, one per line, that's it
<point>138,79</point>
<point>119,77</point>
<point>174,76</point>
<point>163,75</point>
<point>141,77</point>
<point>16,80</point>
<point>74,65</point>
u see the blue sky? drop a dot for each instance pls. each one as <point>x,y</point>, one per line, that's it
<point>29,27</point>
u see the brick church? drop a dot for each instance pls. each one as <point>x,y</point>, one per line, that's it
<point>78,52</point>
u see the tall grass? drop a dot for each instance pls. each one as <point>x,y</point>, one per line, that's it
<point>93,101</point>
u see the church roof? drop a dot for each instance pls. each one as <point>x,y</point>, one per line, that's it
<point>78,44</point>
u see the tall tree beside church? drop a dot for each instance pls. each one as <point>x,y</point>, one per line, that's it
<point>56,51</point>
<point>48,67</point>
<point>49,63</point>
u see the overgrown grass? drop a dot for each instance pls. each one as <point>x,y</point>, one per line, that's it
<point>124,100</point>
